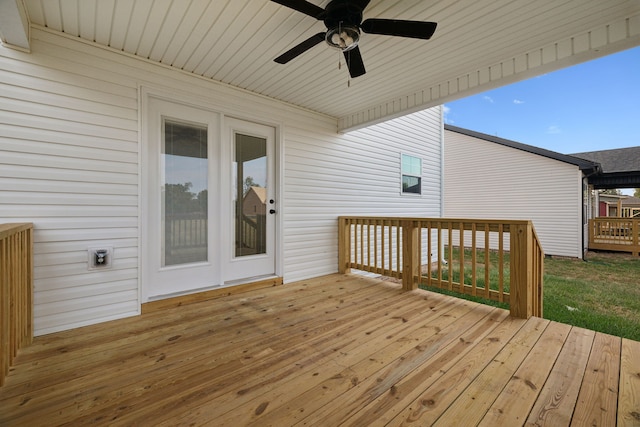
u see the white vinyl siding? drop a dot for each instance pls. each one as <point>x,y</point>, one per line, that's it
<point>353,174</point>
<point>491,181</point>
<point>70,163</point>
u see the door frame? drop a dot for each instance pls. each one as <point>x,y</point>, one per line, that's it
<point>213,105</point>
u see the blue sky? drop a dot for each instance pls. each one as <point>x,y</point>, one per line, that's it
<point>587,107</point>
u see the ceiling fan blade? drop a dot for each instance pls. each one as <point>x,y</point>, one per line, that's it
<point>399,27</point>
<point>304,7</point>
<point>300,48</point>
<point>354,62</point>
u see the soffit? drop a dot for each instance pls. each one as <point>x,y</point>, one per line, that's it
<point>478,45</point>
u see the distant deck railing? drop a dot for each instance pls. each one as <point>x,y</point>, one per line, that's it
<point>615,234</point>
<point>186,231</point>
<point>498,260</point>
<point>16,292</point>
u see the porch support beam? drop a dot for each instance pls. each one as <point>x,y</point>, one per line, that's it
<point>521,281</point>
<point>344,245</point>
<point>597,42</point>
<point>410,255</point>
<point>14,25</point>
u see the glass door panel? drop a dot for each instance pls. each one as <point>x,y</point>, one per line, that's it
<point>180,193</point>
<point>250,195</point>
<point>184,170</point>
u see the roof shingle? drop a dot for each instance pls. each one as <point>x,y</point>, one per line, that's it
<point>613,161</point>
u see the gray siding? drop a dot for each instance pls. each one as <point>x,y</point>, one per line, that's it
<point>70,163</point>
<point>487,180</point>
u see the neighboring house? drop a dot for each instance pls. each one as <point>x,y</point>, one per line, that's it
<point>499,178</point>
<point>608,204</point>
<point>630,207</point>
<point>618,206</point>
<point>255,201</point>
<point>491,177</point>
<point>620,169</point>
<point>117,115</point>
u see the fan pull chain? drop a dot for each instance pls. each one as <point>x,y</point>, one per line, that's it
<point>340,56</point>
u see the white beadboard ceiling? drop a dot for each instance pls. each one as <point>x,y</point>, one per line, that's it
<point>478,45</point>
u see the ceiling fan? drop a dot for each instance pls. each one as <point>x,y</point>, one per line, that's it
<point>343,19</point>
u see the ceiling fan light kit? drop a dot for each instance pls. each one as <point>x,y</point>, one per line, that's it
<point>344,37</point>
<point>343,19</point>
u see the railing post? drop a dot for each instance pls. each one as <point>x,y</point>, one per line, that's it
<point>344,245</point>
<point>410,255</point>
<point>28,269</point>
<point>635,241</point>
<point>521,254</point>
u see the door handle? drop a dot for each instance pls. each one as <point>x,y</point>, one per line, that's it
<point>272,211</point>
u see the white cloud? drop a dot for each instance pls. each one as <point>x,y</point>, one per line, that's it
<point>554,129</point>
<point>488,99</point>
<point>518,101</point>
<point>445,112</point>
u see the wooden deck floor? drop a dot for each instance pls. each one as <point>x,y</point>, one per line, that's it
<point>337,350</point>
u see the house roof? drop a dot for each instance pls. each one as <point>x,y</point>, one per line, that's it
<point>587,166</point>
<point>478,45</point>
<point>261,192</point>
<point>631,201</point>
<point>615,161</point>
<point>621,167</point>
<point>618,168</point>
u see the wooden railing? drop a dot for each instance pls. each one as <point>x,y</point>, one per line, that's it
<point>629,212</point>
<point>493,259</point>
<point>186,231</point>
<point>16,292</point>
<point>615,234</point>
<point>252,238</point>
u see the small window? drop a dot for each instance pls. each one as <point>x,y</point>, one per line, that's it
<point>411,174</point>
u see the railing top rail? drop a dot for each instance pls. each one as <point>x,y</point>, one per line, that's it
<point>7,230</point>
<point>452,220</point>
<point>614,219</point>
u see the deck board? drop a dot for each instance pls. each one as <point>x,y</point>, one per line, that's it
<point>598,398</point>
<point>335,350</point>
<point>518,397</point>
<point>425,401</point>
<point>558,397</point>
<point>628,408</point>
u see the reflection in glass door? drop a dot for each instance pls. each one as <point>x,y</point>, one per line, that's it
<point>250,195</point>
<point>184,183</point>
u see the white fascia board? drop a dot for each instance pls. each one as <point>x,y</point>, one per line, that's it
<point>14,25</point>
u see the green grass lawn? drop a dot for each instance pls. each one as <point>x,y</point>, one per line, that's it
<point>601,293</point>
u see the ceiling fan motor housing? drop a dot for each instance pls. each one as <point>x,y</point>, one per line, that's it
<point>342,12</point>
<point>343,21</point>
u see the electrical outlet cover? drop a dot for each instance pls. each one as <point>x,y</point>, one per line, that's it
<point>93,257</point>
